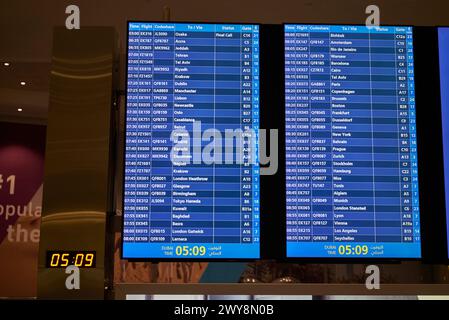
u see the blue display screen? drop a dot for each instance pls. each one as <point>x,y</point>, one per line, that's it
<point>351,153</point>
<point>443,45</point>
<point>192,105</point>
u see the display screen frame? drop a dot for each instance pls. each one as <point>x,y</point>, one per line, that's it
<point>188,258</point>
<point>430,164</point>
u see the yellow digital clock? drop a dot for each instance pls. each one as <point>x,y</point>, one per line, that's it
<point>353,250</point>
<point>63,259</point>
<point>196,251</point>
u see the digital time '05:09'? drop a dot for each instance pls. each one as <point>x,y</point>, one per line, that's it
<point>358,250</point>
<point>190,251</point>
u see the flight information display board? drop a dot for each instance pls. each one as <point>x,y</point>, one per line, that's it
<point>351,153</point>
<point>183,80</point>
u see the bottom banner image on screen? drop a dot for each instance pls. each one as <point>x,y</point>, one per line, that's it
<point>351,153</point>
